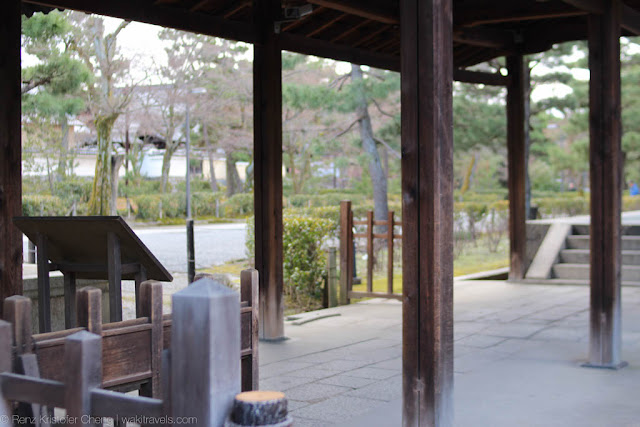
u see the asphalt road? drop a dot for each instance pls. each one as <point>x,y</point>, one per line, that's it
<point>215,244</point>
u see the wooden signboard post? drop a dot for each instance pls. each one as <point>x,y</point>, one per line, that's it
<point>95,247</point>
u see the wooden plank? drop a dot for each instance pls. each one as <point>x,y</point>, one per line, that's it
<point>370,254</point>
<point>151,308</point>
<point>346,248</point>
<point>386,12</point>
<point>629,18</point>
<point>69,300</point>
<point>249,292</point>
<point>427,211</point>
<point>106,403</point>
<point>10,151</point>
<point>164,16</point>
<point>516,142</point>
<point>605,161</point>
<point>267,152</point>
<point>205,386</point>
<point>89,309</point>
<point>44,296</point>
<point>82,373</point>
<point>479,77</point>
<point>34,390</point>
<point>114,261</point>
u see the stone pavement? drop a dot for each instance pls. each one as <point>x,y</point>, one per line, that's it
<point>518,350</point>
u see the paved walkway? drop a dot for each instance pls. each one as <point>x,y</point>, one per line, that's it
<point>518,350</point>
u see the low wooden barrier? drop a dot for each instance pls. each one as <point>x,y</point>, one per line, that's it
<point>200,373</point>
<point>131,349</point>
<point>347,258</point>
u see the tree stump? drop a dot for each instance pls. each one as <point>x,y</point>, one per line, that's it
<point>260,408</point>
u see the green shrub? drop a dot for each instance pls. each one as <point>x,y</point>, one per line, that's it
<point>304,264</point>
<point>42,205</point>
<point>73,189</point>
<point>238,205</point>
<point>567,205</point>
<point>204,203</point>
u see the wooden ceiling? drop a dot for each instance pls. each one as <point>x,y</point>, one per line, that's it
<point>367,31</point>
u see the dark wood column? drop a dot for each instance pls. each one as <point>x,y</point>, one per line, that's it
<point>427,212</point>
<point>267,154</point>
<point>516,99</point>
<point>606,174</point>
<point>10,151</point>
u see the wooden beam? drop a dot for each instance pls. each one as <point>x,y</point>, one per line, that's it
<point>267,154</point>
<point>300,44</point>
<point>427,194</point>
<point>158,14</point>
<point>496,39</point>
<point>605,159</point>
<point>516,123</point>
<point>629,18</point>
<point>10,151</point>
<point>495,12</point>
<point>384,12</point>
<point>480,77</point>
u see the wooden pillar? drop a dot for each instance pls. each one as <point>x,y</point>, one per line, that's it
<point>516,146</point>
<point>267,154</point>
<point>10,151</point>
<point>606,186</point>
<point>427,212</point>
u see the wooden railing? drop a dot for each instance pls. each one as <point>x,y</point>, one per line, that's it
<point>194,381</point>
<point>131,349</point>
<point>347,252</point>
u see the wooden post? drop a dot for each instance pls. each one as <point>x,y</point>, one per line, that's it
<point>6,408</point>
<point>114,267</point>
<point>141,276</point>
<point>427,211</point>
<point>10,151</point>
<point>605,160</point>
<point>249,291</point>
<point>82,372</point>
<point>69,300</point>
<point>346,251</point>
<point>205,386</point>
<point>332,276</point>
<point>267,153</point>
<point>390,227</point>
<point>516,145</point>
<point>370,254</point>
<point>17,311</point>
<point>44,289</point>
<point>89,309</point>
<point>151,307</point>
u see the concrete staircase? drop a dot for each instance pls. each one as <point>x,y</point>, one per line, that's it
<point>572,265</point>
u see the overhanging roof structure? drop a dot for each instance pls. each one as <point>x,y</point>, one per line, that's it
<point>368,31</point>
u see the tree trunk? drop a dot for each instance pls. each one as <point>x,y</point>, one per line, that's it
<point>116,164</point>
<point>101,189</point>
<point>166,166</point>
<point>64,148</point>
<point>212,170</point>
<point>233,179</point>
<point>378,177</point>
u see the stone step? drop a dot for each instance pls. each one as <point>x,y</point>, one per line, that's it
<point>571,282</point>
<point>581,256</point>
<point>627,230</point>
<point>581,272</point>
<point>629,243</point>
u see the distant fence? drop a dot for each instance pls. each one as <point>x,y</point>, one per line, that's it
<point>347,252</point>
<point>131,349</point>
<point>197,378</point>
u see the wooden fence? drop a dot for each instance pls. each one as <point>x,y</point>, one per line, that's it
<point>347,252</point>
<point>194,381</point>
<point>131,349</point>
